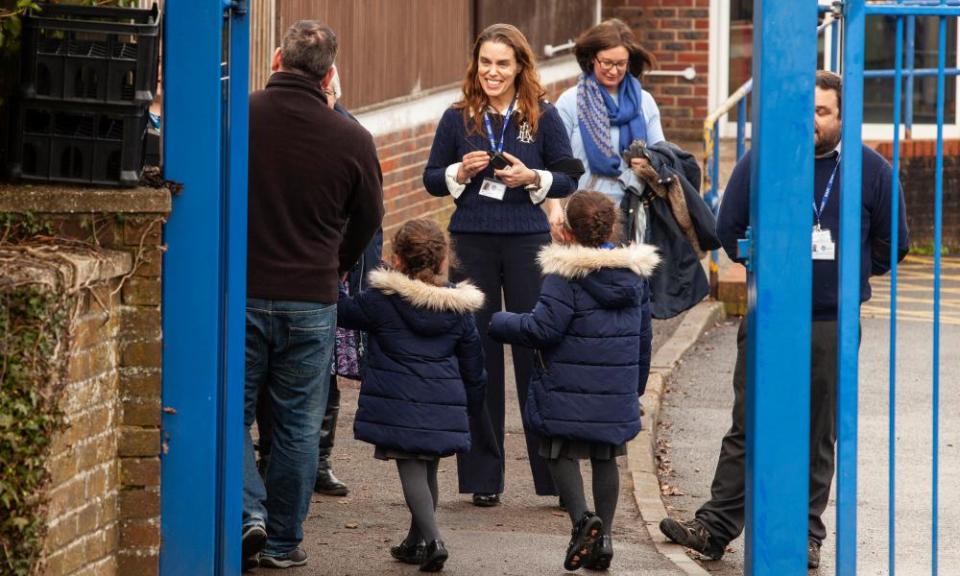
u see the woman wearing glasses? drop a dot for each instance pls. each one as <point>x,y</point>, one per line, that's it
<point>500,152</point>
<point>606,111</point>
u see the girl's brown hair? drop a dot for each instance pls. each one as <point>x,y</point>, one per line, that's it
<point>421,247</point>
<point>592,217</point>
<point>527,82</point>
<point>610,34</point>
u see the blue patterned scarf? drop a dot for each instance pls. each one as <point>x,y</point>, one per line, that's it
<point>597,112</point>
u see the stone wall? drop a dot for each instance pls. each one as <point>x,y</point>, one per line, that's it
<point>105,495</point>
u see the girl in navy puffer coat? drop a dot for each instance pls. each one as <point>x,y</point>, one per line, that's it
<point>424,376</point>
<point>592,335</point>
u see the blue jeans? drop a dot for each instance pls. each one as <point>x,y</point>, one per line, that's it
<point>288,351</point>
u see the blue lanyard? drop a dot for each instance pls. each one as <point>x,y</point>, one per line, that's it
<point>826,194</point>
<point>506,120</point>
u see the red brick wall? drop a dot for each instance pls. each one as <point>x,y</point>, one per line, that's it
<point>677,32</point>
<point>917,175</point>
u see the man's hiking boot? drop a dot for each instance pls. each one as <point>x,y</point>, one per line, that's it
<point>694,535</point>
<point>813,554</point>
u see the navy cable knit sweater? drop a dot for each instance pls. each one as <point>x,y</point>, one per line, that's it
<point>516,213</point>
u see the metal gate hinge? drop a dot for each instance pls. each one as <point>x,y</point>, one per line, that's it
<point>238,7</point>
<point>745,249</point>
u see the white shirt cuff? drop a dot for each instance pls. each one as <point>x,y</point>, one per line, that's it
<point>546,181</point>
<point>455,188</point>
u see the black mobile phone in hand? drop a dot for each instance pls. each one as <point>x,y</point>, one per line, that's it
<point>498,161</point>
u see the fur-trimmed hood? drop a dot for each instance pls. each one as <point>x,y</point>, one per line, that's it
<point>615,278</point>
<point>573,261</point>
<point>461,298</point>
<point>429,309</point>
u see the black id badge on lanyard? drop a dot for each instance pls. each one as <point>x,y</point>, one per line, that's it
<point>491,187</point>
<point>823,246</point>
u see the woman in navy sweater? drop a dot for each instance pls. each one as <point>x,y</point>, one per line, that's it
<point>423,376</point>
<point>500,152</point>
<point>592,333</point>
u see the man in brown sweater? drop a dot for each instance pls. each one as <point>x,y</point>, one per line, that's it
<point>315,200</point>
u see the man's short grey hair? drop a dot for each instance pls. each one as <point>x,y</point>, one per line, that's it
<point>309,48</point>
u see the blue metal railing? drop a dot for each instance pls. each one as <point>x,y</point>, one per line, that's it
<point>894,243</point>
<point>767,531</point>
<point>903,10</point>
<point>739,98</point>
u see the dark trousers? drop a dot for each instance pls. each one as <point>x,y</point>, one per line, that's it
<point>724,513</point>
<point>328,429</point>
<point>507,264</point>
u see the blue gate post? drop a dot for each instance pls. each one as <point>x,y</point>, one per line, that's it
<point>849,297</point>
<point>894,246</point>
<point>778,369</point>
<point>234,244</point>
<point>203,288</point>
<point>937,249</point>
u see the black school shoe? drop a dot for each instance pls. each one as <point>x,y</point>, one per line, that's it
<point>601,555</point>
<point>434,557</point>
<point>486,500</point>
<point>582,538</point>
<point>409,553</point>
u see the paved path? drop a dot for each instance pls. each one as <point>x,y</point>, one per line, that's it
<point>527,535</point>
<point>696,414</point>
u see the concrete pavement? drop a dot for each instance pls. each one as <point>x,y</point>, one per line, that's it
<point>696,414</point>
<point>526,535</point>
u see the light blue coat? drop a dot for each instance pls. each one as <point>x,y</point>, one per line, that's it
<point>612,187</point>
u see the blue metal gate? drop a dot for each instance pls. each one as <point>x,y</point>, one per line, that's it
<point>206,56</point>
<point>779,304</point>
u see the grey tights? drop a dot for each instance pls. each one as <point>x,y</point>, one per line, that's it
<point>419,481</point>
<point>606,488</point>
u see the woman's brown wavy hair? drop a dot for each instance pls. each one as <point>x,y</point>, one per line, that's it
<point>527,82</point>
<point>610,34</point>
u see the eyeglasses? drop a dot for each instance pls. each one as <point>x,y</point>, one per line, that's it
<point>608,65</point>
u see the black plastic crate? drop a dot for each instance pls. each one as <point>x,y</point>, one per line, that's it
<point>90,54</point>
<point>99,144</point>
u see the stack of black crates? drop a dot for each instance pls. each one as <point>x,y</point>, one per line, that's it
<point>87,78</point>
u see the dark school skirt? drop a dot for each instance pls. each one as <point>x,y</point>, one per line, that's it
<point>381,453</point>
<point>554,448</point>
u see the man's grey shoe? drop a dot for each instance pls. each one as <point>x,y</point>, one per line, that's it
<point>694,535</point>
<point>296,557</point>
<point>813,554</point>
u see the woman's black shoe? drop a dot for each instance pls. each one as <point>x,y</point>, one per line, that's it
<point>409,553</point>
<point>486,500</point>
<point>583,536</point>
<point>434,557</point>
<point>601,555</point>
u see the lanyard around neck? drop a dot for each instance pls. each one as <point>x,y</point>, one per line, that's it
<point>817,213</point>
<point>498,147</point>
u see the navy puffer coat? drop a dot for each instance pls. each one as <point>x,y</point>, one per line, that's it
<point>424,365</point>
<point>592,333</point>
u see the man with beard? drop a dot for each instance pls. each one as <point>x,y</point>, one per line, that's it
<point>721,519</point>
